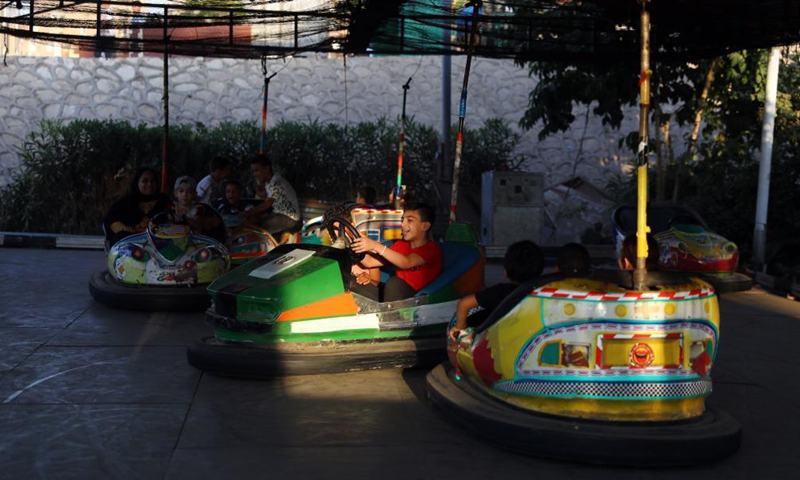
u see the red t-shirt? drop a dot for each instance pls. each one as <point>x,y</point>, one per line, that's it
<point>422,275</point>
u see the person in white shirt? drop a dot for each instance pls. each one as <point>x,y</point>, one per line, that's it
<point>209,190</point>
<point>280,212</point>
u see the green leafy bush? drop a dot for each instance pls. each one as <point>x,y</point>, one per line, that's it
<point>70,173</point>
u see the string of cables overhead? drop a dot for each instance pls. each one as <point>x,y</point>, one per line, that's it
<point>596,30</point>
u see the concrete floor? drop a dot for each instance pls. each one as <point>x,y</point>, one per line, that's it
<point>90,392</point>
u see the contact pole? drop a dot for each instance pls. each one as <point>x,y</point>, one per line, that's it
<point>640,271</point>
<point>262,149</point>
<point>165,150</point>
<point>398,193</point>
<point>462,109</point>
<point>263,146</point>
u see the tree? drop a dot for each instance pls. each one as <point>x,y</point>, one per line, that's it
<point>725,155</point>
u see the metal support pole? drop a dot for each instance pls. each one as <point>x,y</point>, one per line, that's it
<point>444,138</point>
<point>398,192</point>
<point>97,17</point>
<point>230,27</point>
<point>640,272</point>
<point>165,150</point>
<point>462,110</point>
<point>765,167</point>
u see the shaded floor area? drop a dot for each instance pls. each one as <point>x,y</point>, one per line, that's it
<point>91,392</point>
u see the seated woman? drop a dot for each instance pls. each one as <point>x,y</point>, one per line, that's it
<point>201,217</point>
<point>417,257</point>
<point>132,213</point>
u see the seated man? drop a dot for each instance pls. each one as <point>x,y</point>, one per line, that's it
<point>280,212</point>
<point>417,257</point>
<point>201,217</point>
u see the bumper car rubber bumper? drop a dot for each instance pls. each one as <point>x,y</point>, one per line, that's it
<point>711,437</point>
<point>251,360</point>
<point>108,291</point>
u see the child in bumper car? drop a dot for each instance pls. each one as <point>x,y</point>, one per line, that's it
<point>201,217</point>
<point>417,257</point>
<point>523,261</point>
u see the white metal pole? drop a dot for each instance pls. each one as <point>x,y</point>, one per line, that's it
<point>767,129</point>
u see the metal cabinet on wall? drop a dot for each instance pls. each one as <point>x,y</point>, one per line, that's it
<point>512,206</point>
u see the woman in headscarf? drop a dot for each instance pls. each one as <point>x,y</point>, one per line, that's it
<point>132,213</point>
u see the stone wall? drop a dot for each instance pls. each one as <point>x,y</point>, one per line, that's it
<point>311,87</point>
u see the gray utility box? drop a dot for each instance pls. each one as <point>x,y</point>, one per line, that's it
<point>512,207</point>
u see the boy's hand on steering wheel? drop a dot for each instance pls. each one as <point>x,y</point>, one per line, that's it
<point>363,245</point>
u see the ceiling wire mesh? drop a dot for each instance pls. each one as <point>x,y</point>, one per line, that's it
<point>573,30</point>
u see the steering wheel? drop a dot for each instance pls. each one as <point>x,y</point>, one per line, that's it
<point>162,218</point>
<point>345,230</point>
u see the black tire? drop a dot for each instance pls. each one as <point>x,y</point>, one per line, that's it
<point>248,360</point>
<point>108,291</point>
<point>712,437</point>
<point>735,282</point>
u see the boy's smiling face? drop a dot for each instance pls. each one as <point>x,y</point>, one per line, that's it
<point>413,228</point>
<point>184,194</point>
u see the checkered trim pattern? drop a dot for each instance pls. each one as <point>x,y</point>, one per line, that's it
<point>607,390</point>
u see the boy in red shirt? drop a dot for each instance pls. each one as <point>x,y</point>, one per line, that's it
<point>417,257</point>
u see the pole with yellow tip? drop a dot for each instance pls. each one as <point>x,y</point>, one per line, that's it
<point>640,272</point>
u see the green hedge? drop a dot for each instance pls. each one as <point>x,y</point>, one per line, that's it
<point>70,173</point>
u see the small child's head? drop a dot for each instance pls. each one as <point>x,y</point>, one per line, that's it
<point>523,261</point>
<point>417,222</point>
<point>233,191</point>
<point>573,258</point>
<point>366,195</point>
<point>627,254</point>
<point>261,166</point>
<point>185,192</point>
<point>220,168</point>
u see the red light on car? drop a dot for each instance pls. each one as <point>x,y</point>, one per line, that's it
<point>137,253</point>
<point>203,255</point>
<point>189,265</point>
